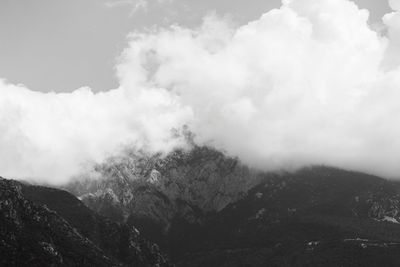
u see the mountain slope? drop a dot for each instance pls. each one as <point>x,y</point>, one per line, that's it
<point>206,209</point>
<point>48,227</point>
<point>317,216</point>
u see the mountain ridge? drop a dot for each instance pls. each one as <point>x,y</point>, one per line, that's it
<point>48,227</point>
<point>176,201</point>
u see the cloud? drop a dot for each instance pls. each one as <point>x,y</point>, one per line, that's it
<point>392,21</point>
<point>308,83</point>
<point>394,4</point>
<point>50,137</point>
<point>112,4</point>
<point>136,5</point>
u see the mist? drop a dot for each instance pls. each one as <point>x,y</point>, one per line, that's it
<point>309,83</point>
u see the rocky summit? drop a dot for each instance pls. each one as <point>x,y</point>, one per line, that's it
<point>206,209</point>
<point>155,190</point>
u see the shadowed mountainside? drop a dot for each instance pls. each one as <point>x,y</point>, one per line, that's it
<point>42,226</point>
<point>207,209</point>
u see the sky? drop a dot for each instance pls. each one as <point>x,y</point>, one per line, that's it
<point>55,45</point>
<point>278,85</point>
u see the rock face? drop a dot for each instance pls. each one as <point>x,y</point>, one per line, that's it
<point>48,227</point>
<point>207,209</point>
<point>153,192</point>
<point>202,177</point>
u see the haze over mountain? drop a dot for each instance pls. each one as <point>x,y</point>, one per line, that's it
<point>206,209</point>
<point>309,83</point>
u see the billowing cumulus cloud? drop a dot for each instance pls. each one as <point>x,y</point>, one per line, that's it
<point>308,83</point>
<point>50,137</point>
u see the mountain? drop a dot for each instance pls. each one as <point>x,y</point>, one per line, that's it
<point>207,209</point>
<point>42,226</point>
<point>315,217</point>
<point>150,192</point>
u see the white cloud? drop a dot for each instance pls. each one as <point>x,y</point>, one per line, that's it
<point>112,4</point>
<point>394,4</point>
<point>305,84</point>
<point>52,136</point>
<point>392,21</point>
<point>135,5</point>
<point>309,83</point>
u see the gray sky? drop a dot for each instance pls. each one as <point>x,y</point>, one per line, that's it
<point>55,45</point>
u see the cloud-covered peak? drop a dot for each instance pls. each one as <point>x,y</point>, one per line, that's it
<point>308,83</point>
